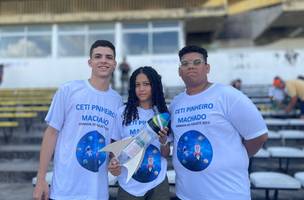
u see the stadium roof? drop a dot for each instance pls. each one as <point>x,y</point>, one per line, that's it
<point>260,20</point>
<point>264,21</point>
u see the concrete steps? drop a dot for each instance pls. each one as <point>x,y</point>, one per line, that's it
<point>17,170</point>
<point>16,191</point>
<point>19,136</point>
<point>23,139</point>
<point>20,151</point>
<point>19,158</point>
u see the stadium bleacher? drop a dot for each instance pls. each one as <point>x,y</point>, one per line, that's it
<point>21,106</point>
<point>277,167</point>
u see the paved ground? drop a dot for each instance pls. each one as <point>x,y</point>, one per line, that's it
<point>23,191</point>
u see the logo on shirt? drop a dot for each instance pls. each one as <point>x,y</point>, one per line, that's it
<point>88,152</point>
<point>194,151</point>
<point>150,166</point>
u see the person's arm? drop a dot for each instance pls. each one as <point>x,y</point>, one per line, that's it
<point>248,121</point>
<point>252,146</point>
<point>164,145</point>
<point>165,149</point>
<point>41,190</point>
<point>291,104</point>
<point>114,165</point>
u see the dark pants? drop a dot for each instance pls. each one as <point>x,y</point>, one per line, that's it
<point>160,192</point>
<point>301,104</point>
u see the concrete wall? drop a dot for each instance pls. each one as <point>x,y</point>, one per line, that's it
<point>252,65</point>
<point>256,66</point>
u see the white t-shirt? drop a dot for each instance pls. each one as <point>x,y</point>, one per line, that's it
<point>84,118</point>
<point>276,94</point>
<point>209,158</point>
<point>153,168</point>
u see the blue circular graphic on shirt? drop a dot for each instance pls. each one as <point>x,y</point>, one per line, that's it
<point>150,166</point>
<point>194,151</point>
<point>88,152</point>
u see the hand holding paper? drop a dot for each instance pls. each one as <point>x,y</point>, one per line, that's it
<point>130,151</point>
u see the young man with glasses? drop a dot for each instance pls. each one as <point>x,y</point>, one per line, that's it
<point>216,129</point>
<point>80,120</point>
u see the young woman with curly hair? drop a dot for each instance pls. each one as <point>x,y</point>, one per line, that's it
<point>146,98</point>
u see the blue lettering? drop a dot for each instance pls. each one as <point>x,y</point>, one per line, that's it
<point>82,106</point>
<point>191,118</point>
<point>199,107</point>
<point>103,109</point>
<point>95,118</point>
<point>134,132</point>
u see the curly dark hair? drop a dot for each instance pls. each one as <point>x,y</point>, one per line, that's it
<point>131,113</point>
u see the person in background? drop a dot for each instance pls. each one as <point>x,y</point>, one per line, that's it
<point>145,99</point>
<point>276,93</point>
<point>295,90</point>
<point>216,129</point>
<point>113,82</point>
<point>80,122</point>
<point>124,68</point>
<point>237,84</point>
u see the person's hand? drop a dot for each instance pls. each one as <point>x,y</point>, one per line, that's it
<point>163,135</point>
<point>41,190</point>
<point>114,167</point>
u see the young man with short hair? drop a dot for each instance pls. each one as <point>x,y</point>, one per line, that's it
<point>80,120</point>
<point>216,129</point>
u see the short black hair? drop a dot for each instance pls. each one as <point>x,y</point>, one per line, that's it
<point>102,43</point>
<point>191,49</point>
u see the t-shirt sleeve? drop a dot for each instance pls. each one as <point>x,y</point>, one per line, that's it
<point>117,129</point>
<point>56,113</point>
<point>246,118</point>
<point>171,107</point>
